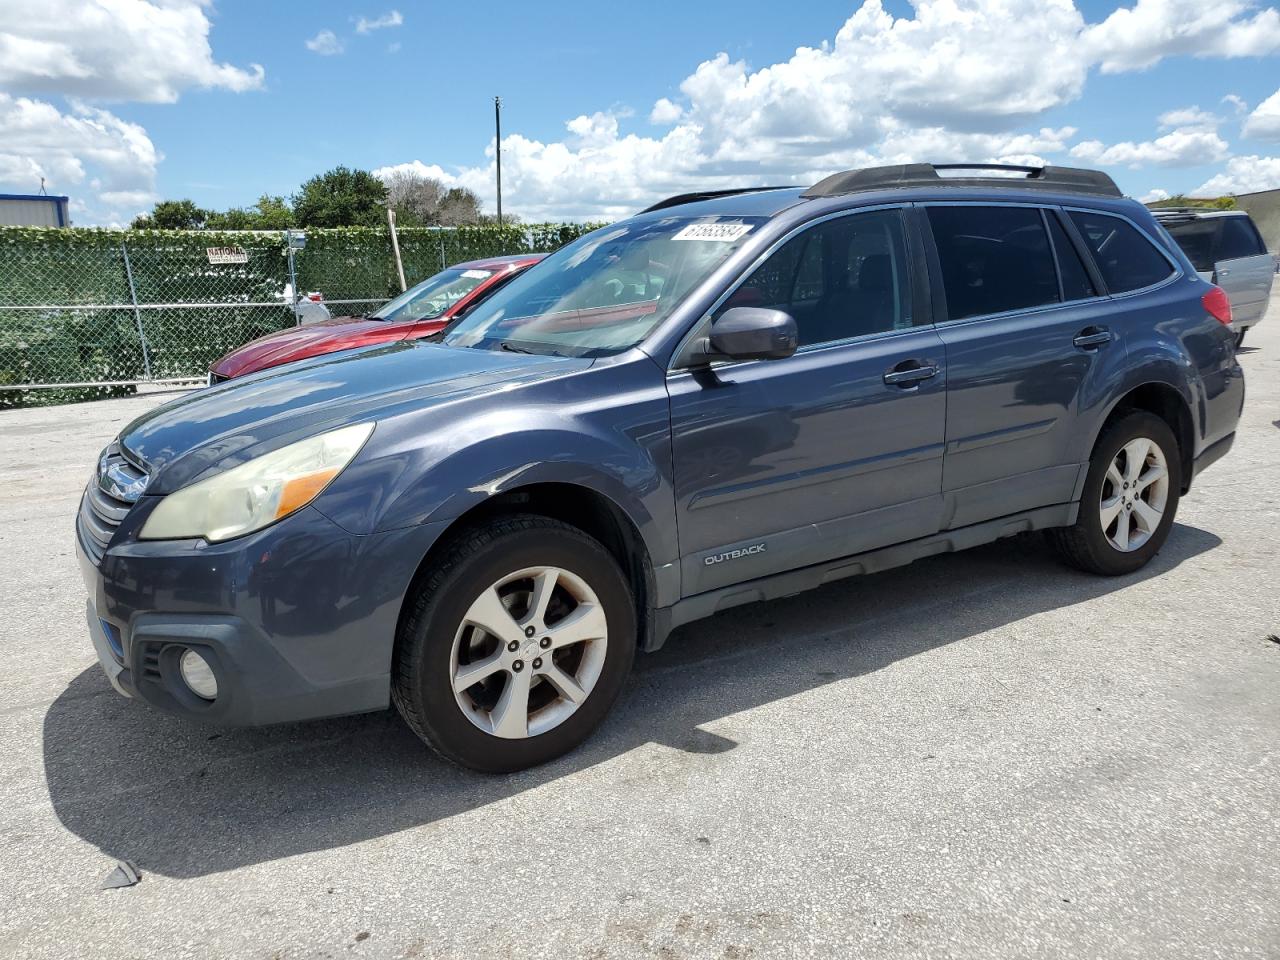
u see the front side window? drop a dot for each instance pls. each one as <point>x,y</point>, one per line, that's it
<point>604,292</point>
<point>993,259</point>
<point>1239,239</point>
<point>433,296</point>
<point>1126,259</point>
<point>846,277</point>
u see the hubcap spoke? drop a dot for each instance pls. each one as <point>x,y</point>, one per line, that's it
<point>543,586</point>
<point>1122,530</point>
<point>567,686</point>
<point>469,674</point>
<point>1147,516</point>
<point>585,623</point>
<point>510,717</point>
<point>1115,477</point>
<point>490,615</point>
<point>1135,457</point>
<point>1109,510</point>
<point>1154,472</point>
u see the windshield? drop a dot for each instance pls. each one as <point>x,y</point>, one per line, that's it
<point>432,296</point>
<point>603,293</point>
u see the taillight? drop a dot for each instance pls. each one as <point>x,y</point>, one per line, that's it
<point>1219,307</point>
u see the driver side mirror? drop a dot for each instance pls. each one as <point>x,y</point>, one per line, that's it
<point>751,333</point>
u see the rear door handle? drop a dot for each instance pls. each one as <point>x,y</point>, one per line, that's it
<point>909,373</point>
<point>1092,337</point>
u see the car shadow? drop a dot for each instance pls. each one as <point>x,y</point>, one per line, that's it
<point>185,800</point>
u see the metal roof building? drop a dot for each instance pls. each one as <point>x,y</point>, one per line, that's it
<point>33,210</point>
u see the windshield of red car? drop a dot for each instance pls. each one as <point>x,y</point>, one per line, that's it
<point>432,296</point>
<point>604,292</point>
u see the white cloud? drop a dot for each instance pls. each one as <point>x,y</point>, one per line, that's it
<point>1138,37</point>
<point>1237,102</point>
<point>957,80</point>
<point>1264,122</point>
<point>1154,194</point>
<point>393,47</point>
<point>390,19</point>
<point>1190,118</point>
<point>1243,175</point>
<point>119,50</point>
<point>325,43</point>
<point>85,151</point>
<point>1184,147</point>
<point>665,113</point>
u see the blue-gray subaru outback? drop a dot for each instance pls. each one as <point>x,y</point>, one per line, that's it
<point>728,398</point>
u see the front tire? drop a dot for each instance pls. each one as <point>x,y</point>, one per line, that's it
<point>515,644</point>
<point>1130,498</point>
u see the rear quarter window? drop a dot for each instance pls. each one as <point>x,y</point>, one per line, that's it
<point>1126,259</point>
<point>1239,239</point>
<point>1198,239</point>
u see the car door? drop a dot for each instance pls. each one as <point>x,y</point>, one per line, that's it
<point>838,449</point>
<point>1020,322</point>
<point>1244,269</point>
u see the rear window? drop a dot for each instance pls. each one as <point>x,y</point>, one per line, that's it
<point>1197,238</point>
<point>1239,239</point>
<point>993,259</point>
<point>1126,259</point>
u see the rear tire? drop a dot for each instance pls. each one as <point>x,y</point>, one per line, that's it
<point>1240,338</point>
<point>1130,498</point>
<point>515,644</point>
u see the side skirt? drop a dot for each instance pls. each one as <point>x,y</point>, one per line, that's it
<point>807,578</point>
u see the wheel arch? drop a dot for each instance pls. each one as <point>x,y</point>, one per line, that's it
<point>580,506</point>
<point>1167,402</point>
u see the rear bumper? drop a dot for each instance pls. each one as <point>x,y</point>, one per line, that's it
<point>297,621</point>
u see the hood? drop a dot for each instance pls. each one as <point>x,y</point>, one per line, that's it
<point>297,343</point>
<point>243,418</point>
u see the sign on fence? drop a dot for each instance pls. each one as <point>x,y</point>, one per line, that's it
<point>220,255</point>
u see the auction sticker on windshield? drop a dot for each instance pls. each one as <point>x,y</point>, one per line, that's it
<point>721,232</point>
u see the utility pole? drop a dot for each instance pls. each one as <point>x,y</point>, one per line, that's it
<point>497,127</point>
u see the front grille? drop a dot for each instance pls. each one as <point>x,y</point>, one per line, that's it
<point>110,495</point>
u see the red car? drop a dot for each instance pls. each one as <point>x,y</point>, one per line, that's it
<point>418,312</point>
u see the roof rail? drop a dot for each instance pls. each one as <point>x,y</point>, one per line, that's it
<point>683,198</point>
<point>1059,179</point>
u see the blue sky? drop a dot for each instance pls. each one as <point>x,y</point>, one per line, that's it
<point>1084,85</point>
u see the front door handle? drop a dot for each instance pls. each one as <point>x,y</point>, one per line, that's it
<point>1090,338</point>
<point>909,373</point>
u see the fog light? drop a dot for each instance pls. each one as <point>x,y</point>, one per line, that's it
<point>198,675</point>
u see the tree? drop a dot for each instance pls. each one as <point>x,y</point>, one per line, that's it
<point>1179,200</point>
<point>269,213</point>
<point>342,197</point>
<point>172,215</point>
<point>425,202</point>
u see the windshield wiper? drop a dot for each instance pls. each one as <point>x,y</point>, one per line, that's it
<point>510,349</point>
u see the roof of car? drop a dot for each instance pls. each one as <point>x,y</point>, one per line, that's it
<point>1194,213</point>
<point>498,263</point>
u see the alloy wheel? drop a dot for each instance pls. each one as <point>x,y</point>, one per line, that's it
<point>1135,493</point>
<point>528,652</point>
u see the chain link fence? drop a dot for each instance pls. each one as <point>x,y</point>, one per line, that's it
<point>86,314</point>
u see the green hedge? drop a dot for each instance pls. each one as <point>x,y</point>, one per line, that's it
<point>70,272</point>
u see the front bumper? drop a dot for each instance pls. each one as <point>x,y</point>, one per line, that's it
<point>297,621</point>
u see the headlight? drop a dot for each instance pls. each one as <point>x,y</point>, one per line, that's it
<point>257,493</point>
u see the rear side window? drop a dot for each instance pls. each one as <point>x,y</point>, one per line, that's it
<point>1076,284</point>
<point>993,259</point>
<point>1239,239</point>
<point>1198,238</point>
<point>1126,259</point>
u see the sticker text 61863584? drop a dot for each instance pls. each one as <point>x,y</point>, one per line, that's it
<point>720,232</point>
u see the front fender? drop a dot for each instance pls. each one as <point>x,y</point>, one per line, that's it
<point>608,432</point>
